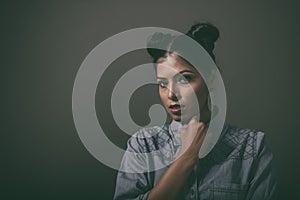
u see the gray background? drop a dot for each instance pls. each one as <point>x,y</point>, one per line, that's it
<point>44,43</point>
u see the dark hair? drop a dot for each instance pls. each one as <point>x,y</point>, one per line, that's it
<point>204,33</point>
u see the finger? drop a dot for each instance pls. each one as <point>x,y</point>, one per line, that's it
<point>201,125</point>
<point>193,120</point>
<point>193,126</point>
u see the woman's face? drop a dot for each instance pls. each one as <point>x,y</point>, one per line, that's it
<point>178,84</point>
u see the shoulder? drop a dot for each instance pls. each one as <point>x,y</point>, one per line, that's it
<point>149,139</point>
<point>241,143</point>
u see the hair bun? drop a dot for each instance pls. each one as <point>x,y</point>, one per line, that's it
<point>205,34</point>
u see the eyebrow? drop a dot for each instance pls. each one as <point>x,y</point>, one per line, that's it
<point>181,72</point>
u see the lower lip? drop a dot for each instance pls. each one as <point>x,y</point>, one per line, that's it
<point>175,110</point>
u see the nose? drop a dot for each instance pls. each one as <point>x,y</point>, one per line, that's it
<point>173,93</point>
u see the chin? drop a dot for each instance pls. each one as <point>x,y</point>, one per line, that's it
<point>182,119</point>
<point>176,118</point>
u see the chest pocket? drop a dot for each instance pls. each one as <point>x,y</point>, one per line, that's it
<point>228,191</point>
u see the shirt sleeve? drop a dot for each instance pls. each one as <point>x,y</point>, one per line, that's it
<point>130,183</point>
<point>264,183</point>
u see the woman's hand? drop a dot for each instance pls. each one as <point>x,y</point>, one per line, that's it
<point>192,137</point>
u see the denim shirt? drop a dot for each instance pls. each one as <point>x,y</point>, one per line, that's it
<point>238,167</point>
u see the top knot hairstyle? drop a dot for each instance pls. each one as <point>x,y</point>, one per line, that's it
<point>204,33</point>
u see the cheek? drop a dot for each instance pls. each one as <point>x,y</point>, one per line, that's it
<point>188,93</point>
<point>198,91</point>
<point>162,96</point>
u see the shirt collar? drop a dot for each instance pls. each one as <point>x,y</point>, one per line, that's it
<point>175,132</point>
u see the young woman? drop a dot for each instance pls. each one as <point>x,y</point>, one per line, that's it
<point>238,167</point>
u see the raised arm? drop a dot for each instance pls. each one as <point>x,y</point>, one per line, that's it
<point>139,186</point>
<point>173,181</point>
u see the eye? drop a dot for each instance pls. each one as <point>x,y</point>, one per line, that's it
<point>162,83</point>
<point>185,79</point>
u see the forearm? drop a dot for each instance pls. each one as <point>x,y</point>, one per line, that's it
<point>173,181</point>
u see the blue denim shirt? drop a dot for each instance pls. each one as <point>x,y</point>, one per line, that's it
<point>238,167</point>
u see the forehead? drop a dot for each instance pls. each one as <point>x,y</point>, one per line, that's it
<point>172,65</point>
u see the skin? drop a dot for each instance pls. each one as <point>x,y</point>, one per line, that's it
<point>173,90</point>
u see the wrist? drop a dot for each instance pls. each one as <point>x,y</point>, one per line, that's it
<point>188,156</point>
